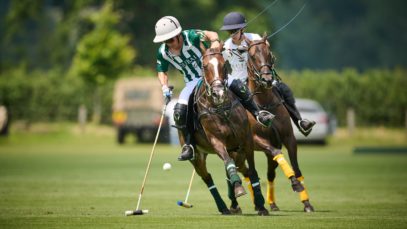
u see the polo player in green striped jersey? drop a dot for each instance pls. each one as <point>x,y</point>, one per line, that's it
<point>182,50</point>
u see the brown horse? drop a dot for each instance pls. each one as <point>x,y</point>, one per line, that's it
<point>261,75</point>
<point>225,131</point>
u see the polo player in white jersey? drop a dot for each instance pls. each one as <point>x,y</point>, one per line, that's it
<point>234,23</point>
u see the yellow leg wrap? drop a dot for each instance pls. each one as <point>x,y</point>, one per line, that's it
<point>270,193</point>
<point>288,171</point>
<point>304,194</point>
<point>249,186</point>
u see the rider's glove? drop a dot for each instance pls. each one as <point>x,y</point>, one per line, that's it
<point>167,93</point>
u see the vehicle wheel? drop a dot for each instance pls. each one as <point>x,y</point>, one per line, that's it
<point>146,135</point>
<point>121,134</point>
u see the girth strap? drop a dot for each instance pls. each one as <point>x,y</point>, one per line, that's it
<point>271,107</point>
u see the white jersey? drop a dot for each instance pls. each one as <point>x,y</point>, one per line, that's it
<point>237,60</point>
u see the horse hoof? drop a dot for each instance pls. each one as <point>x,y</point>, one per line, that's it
<point>296,185</point>
<point>263,211</point>
<point>308,207</point>
<point>239,191</point>
<point>226,212</point>
<point>235,211</point>
<point>274,208</point>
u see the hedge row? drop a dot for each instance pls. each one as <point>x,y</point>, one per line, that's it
<point>379,97</point>
<point>49,96</point>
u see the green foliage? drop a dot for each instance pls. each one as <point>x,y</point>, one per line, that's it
<point>378,96</point>
<point>326,35</point>
<point>103,54</point>
<point>48,96</point>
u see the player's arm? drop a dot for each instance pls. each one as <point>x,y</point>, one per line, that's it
<point>213,38</point>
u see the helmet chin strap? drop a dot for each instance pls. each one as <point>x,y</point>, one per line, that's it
<point>179,39</point>
<point>241,34</point>
<point>240,37</point>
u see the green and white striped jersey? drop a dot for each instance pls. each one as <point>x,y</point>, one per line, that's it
<point>189,62</point>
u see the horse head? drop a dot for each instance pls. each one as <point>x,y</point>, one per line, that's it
<point>260,62</point>
<point>215,75</point>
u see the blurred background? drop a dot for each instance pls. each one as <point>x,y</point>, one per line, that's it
<point>60,60</point>
<point>78,89</point>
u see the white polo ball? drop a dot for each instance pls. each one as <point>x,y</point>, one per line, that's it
<point>166,166</point>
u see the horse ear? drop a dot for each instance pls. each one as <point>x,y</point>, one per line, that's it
<point>203,48</point>
<point>221,47</point>
<point>264,36</point>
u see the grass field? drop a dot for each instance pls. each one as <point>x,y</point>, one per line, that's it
<point>64,179</point>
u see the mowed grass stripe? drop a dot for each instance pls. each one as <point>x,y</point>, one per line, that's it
<point>80,184</point>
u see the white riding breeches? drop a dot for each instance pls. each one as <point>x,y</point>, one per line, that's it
<point>186,92</point>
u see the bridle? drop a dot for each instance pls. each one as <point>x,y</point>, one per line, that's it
<point>209,85</point>
<point>224,108</point>
<point>258,73</point>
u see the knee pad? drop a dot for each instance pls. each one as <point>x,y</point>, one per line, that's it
<point>240,89</point>
<point>180,115</point>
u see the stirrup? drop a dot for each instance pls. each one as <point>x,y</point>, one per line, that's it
<point>303,131</point>
<point>264,113</point>
<point>180,158</point>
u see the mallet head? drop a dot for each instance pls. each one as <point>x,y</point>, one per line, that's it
<point>184,204</point>
<point>135,212</point>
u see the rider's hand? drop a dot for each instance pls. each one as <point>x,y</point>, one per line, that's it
<point>167,93</point>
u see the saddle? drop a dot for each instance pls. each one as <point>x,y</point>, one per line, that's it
<point>193,123</point>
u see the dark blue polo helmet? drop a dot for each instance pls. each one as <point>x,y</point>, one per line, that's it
<point>233,20</point>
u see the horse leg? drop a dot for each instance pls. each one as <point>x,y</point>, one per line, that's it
<point>234,206</point>
<point>230,167</point>
<point>200,167</point>
<point>253,177</point>
<point>305,198</point>
<point>278,156</point>
<point>271,175</point>
<point>291,145</point>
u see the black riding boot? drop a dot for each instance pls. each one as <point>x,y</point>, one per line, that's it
<point>242,91</point>
<point>180,118</point>
<point>303,125</point>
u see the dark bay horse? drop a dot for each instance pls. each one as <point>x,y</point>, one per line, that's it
<point>225,131</point>
<point>261,75</point>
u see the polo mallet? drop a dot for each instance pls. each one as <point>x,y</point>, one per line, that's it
<point>139,211</point>
<point>185,204</point>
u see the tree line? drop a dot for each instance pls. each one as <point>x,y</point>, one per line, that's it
<point>51,96</point>
<point>327,35</point>
<point>58,55</point>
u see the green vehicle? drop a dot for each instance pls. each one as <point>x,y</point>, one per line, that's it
<point>137,109</point>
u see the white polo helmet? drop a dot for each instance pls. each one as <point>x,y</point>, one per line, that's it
<point>166,28</point>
